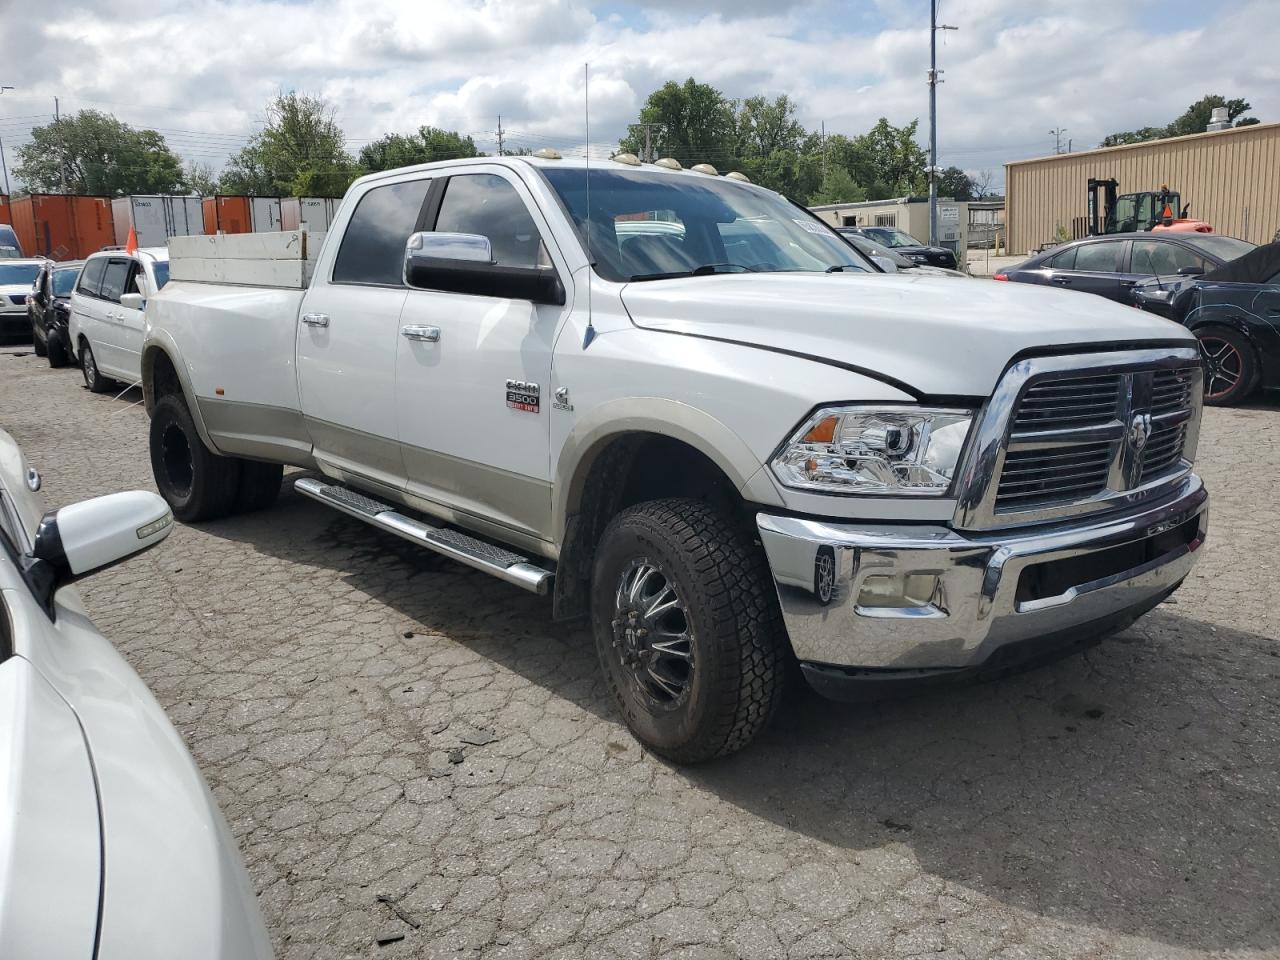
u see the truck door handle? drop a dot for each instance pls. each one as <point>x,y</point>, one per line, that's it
<point>315,319</point>
<point>418,331</point>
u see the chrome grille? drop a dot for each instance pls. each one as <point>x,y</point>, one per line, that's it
<point>1075,438</point>
<point>1069,402</point>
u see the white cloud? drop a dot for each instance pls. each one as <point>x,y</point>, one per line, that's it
<point>201,70</point>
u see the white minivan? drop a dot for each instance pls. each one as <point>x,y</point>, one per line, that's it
<point>106,324</point>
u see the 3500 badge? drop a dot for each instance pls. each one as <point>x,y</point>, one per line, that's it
<point>522,395</point>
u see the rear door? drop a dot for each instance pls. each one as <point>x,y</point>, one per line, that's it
<point>349,332</point>
<point>129,327</point>
<point>88,312</point>
<point>1096,268</point>
<point>109,345</point>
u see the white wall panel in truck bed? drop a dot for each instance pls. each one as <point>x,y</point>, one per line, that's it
<point>251,259</point>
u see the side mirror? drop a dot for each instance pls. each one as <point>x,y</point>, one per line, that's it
<point>1190,271</point>
<point>463,263</point>
<point>132,301</point>
<point>76,540</point>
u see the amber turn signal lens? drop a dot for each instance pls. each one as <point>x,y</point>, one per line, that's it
<point>824,431</point>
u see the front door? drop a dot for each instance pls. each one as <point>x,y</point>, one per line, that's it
<point>1095,269</point>
<point>348,334</point>
<point>473,373</point>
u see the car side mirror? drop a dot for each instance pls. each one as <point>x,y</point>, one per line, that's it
<point>79,539</point>
<point>1190,271</point>
<point>132,301</point>
<point>463,263</point>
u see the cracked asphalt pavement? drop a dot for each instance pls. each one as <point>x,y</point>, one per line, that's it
<point>413,753</point>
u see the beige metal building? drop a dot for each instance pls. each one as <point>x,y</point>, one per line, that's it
<point>909,214</point>
<point>1231,178</point>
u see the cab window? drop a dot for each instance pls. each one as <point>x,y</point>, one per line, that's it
<point>372,250</point>
<point>114,279</point>
<point>487,205</point>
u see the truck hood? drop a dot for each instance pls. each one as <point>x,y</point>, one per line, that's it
<point>934,335</point>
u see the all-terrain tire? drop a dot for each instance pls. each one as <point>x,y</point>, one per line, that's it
<point>197,483</point>
<point>1231,365</point>
<point>259,485</point>
<point>728,604</point>
<point>93,378</point>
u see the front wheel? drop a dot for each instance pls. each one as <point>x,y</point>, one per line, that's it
<point>687,628</point>
<point>57,351</point>
<point>93,378</point>
<point>197,483</point>
<point>1230,366</point>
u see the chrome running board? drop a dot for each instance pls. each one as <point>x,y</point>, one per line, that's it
<point>454,544</point>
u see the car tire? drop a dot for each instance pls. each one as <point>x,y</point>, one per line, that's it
<point>1231,366</point>
<point>197,483</point>
<point>57,351</point>
<point>259,485</point>
<point>93,378</point>
<point>41,349</point>
<point>716,683</point>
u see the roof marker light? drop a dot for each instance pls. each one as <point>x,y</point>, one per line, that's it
<point>669,162</point>
<point>630,159</point>
<point>547,153</point>
<point>706,168</point>
<point>735,175</point>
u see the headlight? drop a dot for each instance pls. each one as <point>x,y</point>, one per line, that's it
<point>910,451</point>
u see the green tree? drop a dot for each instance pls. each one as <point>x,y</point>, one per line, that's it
<point>403,150</point>
<point>1141,135</point>
<point>767,126</point>
<point>300,152</point>
<point>1192,120</point>
<point>888,161</point>
<point>200,178</point>
<point>838,187</point>
<point>956,184</point>
<point>693,122</point>
<point>93,152</point>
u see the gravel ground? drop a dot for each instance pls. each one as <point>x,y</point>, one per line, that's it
<point>378,723</point>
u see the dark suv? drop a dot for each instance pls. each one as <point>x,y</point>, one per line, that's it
<point>49,306</point>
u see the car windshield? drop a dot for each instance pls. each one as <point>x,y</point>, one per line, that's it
<point>161,270</point>
<point>892,238</point>
<point>651,226</point>
<point>64,280</point>
<point>1220,247</point>
<point>15,273</point>
<point>873,249</point>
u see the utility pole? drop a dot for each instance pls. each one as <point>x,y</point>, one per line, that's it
<point>824,152</point>
<point>500,133</point>
<point>934,27</point>
<point>3,165</point>
<point>1057,133</point>
<point>62,148</point>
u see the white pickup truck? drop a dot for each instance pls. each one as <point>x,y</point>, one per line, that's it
<point>691,412</point>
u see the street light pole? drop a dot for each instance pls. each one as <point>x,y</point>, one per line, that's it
<point>933,119</point>
<point>3,164</point>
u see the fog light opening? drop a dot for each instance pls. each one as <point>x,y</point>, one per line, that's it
<point>898,591</point>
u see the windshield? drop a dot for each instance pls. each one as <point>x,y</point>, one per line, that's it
<point>648,226</point>
<point>891,237</point>
<point>15,273</point>
<point>1221,248</point>
<point>64,280</point>
<point>873,249</point>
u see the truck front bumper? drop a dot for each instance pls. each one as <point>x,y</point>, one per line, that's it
<point>870,606</point>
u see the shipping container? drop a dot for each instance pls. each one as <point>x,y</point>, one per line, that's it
<point>62,227</point>
<point>5,216</point>
<point>307,213</point>
<point>156,218</point>
<point>241,215</point>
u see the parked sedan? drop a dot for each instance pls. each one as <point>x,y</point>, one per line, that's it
<point>890,260</point>
<point>1234,311</point>
<point>111,846</point>
<point>49,306</point>
<point>1112,265</point>
<point>908,246</point>
<point>16,278</point>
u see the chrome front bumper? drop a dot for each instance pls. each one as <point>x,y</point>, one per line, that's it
<point>991,589</point>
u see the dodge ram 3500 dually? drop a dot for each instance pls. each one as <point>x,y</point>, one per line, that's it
<point>689,411</point>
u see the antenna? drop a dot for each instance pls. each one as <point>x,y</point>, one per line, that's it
<point>586,154</point>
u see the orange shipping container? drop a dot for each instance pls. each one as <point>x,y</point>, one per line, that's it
<point>5,216</point>
<point>227,214</point>
<point>62,227</point>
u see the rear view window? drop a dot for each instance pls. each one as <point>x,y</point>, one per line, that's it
<point>91,277</point>
<point>114,278</point>
<point>372,248</point>
<point>1066,260</point>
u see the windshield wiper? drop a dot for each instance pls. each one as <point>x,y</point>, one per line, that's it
<point>705,270</point>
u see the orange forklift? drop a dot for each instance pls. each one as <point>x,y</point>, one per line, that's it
<point>1152,210</point>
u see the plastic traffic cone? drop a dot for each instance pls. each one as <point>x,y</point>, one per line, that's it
<point>131,245</point>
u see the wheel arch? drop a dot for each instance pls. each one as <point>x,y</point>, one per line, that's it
<point>164,373</point>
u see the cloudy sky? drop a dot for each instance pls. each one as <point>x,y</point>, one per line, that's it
<point>200,71</point>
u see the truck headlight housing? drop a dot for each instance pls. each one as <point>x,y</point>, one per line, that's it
<point>907,451</point>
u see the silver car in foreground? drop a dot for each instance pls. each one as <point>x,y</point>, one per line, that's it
<point>110,843</point>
